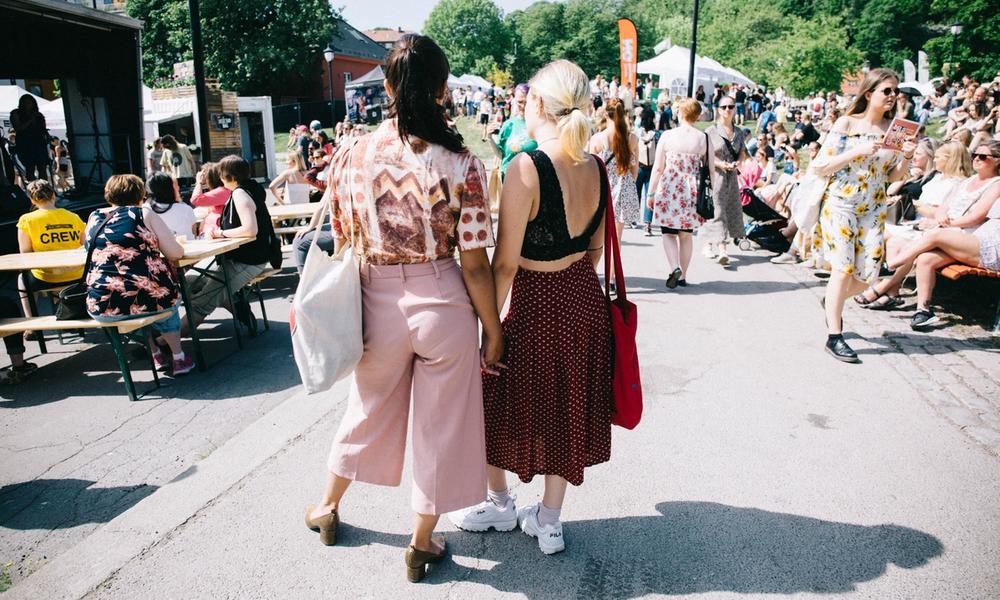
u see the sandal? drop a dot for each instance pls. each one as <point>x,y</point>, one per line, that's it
<point>885,302</point>
<point>862,300</point>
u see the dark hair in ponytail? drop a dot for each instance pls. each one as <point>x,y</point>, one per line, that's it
<point>416,71</point>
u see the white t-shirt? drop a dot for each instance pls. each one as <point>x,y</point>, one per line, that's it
<point>485,107</point>
<point>478,96</point>
<point>179,217</point>
<point>937,189</point>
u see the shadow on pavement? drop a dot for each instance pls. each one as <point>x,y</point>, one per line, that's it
<point>694,547</point>
<point>647,285</point>
<point>65,503</point>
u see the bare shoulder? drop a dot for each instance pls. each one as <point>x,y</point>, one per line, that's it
<point>845,123</point>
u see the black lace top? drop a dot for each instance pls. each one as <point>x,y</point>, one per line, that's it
<point>547,235</point>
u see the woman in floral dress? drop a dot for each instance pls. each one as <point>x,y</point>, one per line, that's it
<point>851,227</point>
<point>675,189</point>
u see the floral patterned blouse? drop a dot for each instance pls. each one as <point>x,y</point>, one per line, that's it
<point>413,203</point>
<point>128,275</point>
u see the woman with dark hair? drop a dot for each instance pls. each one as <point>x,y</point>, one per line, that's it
<point>648,137</point>
<point>32,149</point>
<point>406,197</point>
<point>618,147</point>
<point>165,200</point>
<point>243,216</point>
<point>730,150</point>
<point>851,227</point>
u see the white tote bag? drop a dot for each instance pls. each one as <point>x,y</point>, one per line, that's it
<point>326,315</point>
<point>805,200</point>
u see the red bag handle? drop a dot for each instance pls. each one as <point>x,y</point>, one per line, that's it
<point>612,251</point>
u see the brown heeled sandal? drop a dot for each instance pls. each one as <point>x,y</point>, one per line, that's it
<point>417,561</point>
<point>325,525</point>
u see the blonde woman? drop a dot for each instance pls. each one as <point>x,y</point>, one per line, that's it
<point>674,186</point>
<point>851,226</point>
<point>295,173</point>
<point>952,164</point>
<point>549,411</point>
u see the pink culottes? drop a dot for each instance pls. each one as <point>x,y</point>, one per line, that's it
<point>421,342</point>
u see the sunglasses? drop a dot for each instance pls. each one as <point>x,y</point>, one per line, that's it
<point>890,91</point>
<point>982,156</point>
<point>727,106</point>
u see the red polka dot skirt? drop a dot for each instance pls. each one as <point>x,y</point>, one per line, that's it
<point>549,412</point>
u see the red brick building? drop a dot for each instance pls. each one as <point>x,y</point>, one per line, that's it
<point>355,55</point>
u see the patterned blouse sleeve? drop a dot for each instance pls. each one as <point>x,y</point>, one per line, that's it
<point>832,146</point>
<point>337,190</point>
<point>475,224</point>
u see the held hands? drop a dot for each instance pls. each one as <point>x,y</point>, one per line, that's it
<point>491,353</point>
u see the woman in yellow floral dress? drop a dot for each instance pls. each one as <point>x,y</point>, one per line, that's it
<point>850,232</point>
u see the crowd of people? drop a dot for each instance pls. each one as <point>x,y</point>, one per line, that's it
<point>538,400</point>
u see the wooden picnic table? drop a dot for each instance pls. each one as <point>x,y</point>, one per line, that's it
<point>67,260</point>
<point>284,212</point>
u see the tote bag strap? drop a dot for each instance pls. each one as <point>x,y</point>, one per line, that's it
<point>612,252</point>
<point>93,244</point>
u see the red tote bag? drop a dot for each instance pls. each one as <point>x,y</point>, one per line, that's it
<point>624,323</point>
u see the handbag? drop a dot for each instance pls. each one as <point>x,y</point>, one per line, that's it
<point>705,205</point>
<point>627,385</point>
<point>805,200</point>
<point>325,319</point>
<point>73,298</point>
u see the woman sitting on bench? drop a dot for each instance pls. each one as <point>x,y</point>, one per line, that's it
<point>131,276</point>
<point>947,245</point>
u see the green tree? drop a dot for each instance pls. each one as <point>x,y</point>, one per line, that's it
<point>890,31</point>
<point>809,63</point>
<point>591,36</point>
<point>977,48</point>
<point>534,30</point>
<point>469,32</point>
<point>267,47</point>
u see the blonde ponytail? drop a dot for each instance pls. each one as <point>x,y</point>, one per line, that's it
<point>565,93</point>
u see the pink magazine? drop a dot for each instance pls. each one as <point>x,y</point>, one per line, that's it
<point>898,132</point>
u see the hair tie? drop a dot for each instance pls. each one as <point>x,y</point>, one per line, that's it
<point>566,111</point>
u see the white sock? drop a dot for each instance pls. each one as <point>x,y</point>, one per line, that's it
<point>547,516</point>
<point>179,355</point>
<point>499,499</point>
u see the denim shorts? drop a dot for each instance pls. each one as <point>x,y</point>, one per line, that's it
<point>171,324</point>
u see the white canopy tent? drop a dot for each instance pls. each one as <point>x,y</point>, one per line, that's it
<point>672,65</point>
<point>475,81</point>
<point>55,118</point>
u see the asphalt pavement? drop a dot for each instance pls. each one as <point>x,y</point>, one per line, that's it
<point>762,467</point>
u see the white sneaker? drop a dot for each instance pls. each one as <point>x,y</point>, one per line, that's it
<point>485,515</point>
<point>708,251</point>
<point>550,537</point>
<point>785,258</point>
<point>723,259</point>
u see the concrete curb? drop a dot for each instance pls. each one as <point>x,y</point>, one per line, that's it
<point>80,569</point>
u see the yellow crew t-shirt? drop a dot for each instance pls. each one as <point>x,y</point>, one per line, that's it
<point>56,229</point>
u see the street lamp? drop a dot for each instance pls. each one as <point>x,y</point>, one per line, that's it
<point>956,30</point>
<point>328,54</point>
<point>694,48</point>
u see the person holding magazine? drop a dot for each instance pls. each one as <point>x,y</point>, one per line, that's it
<point>851,225</point>
<point>549,411</point>
<point>409,195</point>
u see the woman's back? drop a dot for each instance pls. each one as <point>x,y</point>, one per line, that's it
<point>684,139</point>
<point>578,188</point>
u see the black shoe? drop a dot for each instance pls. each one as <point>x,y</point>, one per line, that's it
<point>245,316</point>
<point>674,278</point>
<point>682,283</point>
<point>923,318</point>
<point>838,348</point>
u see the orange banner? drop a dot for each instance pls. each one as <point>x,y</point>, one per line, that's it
<point>628,44</point>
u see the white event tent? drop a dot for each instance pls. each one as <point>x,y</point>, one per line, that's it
<point>672,65</point>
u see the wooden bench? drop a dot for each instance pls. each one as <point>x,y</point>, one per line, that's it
<point>957,271</point>
<point>253,287</point>
<point>114,332</point>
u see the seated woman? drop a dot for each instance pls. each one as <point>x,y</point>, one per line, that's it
<point>295,174</point>
<point>244,215</point>
<point>165,201</point>
<point>131,275</point>
<point>44,229</point>
<point>979,247</point>
<point>211,194</point>
<point>966,207</point>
